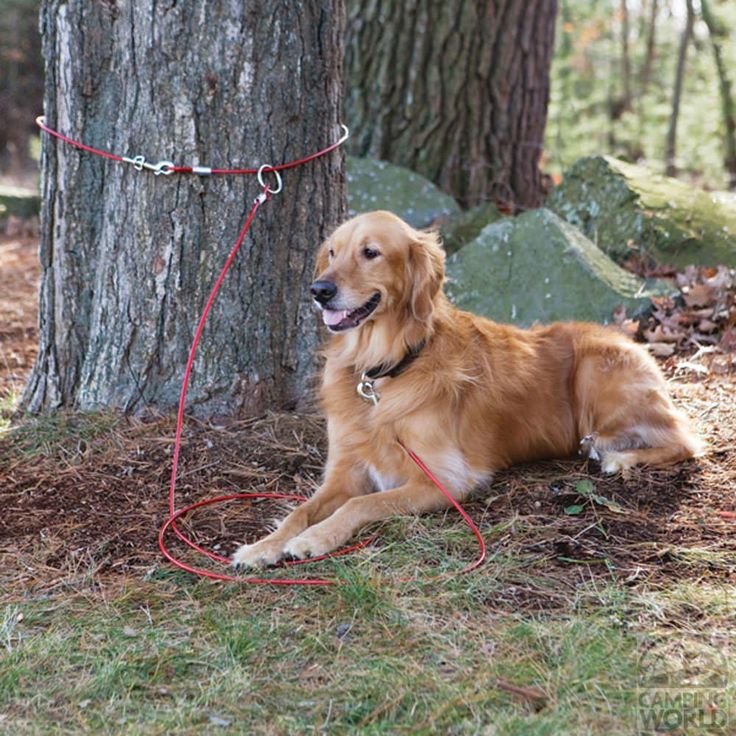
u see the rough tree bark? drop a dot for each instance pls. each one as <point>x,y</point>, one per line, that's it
<point>671,143</point>
<point>455,91</point>
<point>128,258</point>
<point>718,35</point>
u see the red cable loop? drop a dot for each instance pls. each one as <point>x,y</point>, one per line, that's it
<point>41,122</point>
<point>175,514</point>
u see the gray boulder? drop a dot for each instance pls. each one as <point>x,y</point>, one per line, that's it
<point>19,201</point>
<point>379,185</point>
<point>538,268</point>
<point>465,226</point>
<point>625,208</point>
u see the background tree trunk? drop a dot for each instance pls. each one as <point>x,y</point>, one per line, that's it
<point>671,145</point>
<point>646,71</point>
<point>718,34</point>
<point>21,86</point>
<point>625,56</point>
<point>455,91</point>
<point>129,258</point>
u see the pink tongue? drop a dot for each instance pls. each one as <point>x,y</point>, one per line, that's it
<point>332,317</point>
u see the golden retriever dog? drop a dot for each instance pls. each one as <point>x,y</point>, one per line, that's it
<point>467,395</point>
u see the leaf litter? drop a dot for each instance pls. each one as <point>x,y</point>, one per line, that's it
<point>700,319</point>
<point>82,508</point>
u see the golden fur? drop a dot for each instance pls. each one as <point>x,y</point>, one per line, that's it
<point>480,396</point>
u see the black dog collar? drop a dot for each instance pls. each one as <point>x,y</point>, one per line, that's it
<point>384,371</point>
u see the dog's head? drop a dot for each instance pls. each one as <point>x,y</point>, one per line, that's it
<point>376,265</point>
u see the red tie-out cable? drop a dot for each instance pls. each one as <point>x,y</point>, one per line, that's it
<point>167,168</point>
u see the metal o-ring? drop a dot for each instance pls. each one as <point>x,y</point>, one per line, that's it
<point>279,182</point>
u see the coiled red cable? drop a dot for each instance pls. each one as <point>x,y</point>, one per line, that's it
<point>176,514</point>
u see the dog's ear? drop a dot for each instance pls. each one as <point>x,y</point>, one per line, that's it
<point>323,259</point>
<point>426,272</point>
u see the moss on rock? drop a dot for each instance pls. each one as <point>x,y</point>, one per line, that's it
<point>19,201</point>
<point>379,185</point>
<point>465,226</point>
<point>538,268</point>
<point>622,207</point>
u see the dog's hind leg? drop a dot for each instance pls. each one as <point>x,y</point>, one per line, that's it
<point>625,411</point>
<point>617,460</point>
<point>665,441</point>
<point>645,445</point>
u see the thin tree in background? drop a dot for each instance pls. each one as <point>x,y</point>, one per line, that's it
<point>565,93</point>
<point>455,91</point>
<point>671,145</point>
<point>718,32</point>
<point>625,57</point>
<point>646,71</point>
<point>129,258</point>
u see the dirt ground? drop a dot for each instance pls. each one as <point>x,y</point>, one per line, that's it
<point>19,271</point>
<point>84,497</point>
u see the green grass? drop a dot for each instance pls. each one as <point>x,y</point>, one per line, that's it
<point>520,647</point>
<point>54,435</point>
<point>364,657</point>
<point>8,404</point>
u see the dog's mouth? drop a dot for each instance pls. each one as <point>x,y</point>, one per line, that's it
<point>344,319</point>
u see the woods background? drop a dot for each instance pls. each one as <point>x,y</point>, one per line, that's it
<point>613,85</point>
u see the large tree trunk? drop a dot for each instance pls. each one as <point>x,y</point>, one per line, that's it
<point>455,91</point>
<point>128,258</point>
<point>718,35</point>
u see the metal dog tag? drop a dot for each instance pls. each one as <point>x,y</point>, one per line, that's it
<point>367,391</point>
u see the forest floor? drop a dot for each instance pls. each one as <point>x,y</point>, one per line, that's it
<point>607,604</point>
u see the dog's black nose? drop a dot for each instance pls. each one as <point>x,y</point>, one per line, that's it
<point>323,291</point>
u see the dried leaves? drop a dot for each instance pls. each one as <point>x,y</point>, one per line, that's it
<point>702,315</point>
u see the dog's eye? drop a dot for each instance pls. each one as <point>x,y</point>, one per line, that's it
<point>370,253</point>
<point>331,253</point>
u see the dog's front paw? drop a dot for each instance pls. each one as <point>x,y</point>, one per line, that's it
<point>311,543</point>
<point>261,554</point>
